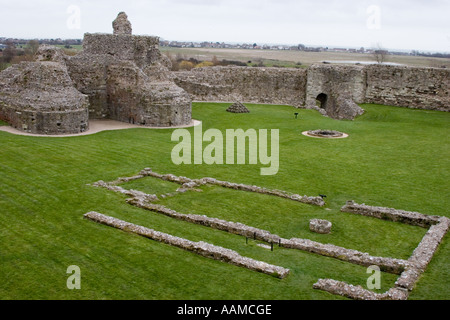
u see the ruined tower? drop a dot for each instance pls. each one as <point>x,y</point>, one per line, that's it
<point>117,76</point>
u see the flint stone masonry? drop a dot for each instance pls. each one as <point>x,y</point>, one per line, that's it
<point>143,201</point>
<point>318,201</point>
<point>238,108</point>
<point>390,265</point>
<point>246,84</point>
<point>417,88</point>
<point>117,76</point>
<point>39,97</point>
<point>129,80</point>
<point>358,292</point>
<point>409,270</point>
<point>407,217</point>
<point>121,25</point>
<point>339,88</point>
<point>320,226</point>
<point>201,248</point>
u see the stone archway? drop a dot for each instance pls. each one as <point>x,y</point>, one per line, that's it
<point>322,100</point>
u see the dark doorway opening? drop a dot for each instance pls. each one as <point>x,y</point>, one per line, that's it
<point>322,100</point>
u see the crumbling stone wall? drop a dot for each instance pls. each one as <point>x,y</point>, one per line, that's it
<point>409,270</point>
<point>339,88</point>
<point>39,98</point>
<point>253,85</point>
<point>201,248</point>
<point>418,88</point>
<point>117,76</point>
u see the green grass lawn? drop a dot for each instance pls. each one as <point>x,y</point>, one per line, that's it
<point>394,157</point>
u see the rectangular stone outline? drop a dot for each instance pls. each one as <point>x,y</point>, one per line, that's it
<point>418,262</point>
<point>410,270</point>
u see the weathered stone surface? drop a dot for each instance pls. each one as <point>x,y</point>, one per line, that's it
<point>417,88</point>
<point>122,25</point>
<point>40,98</point>
<point>200,248</point>
<point>238,108</point>
<point>412,218</point>
<point>424,252</point>
<point>320,226</point>
<point>325,133</point>
<point>139,49</point>
<point>117,76</point>
<point>339,89</point>
<point>318,201</point>
<point>409,270</point>
<point>258,85</point>
<point>50,53</point>
<point>134,98</point>
<point>357,292</point>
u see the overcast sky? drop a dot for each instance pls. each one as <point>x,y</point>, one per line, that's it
<point>399,24</point>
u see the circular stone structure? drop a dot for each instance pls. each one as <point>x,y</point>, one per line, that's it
<point>320,226</point>
<point>327,134</point>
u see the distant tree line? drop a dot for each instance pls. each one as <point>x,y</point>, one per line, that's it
<point>431,55</point>
<point>12,54</point>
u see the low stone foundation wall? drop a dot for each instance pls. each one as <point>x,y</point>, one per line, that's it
<point>201,248</point>
<point>409,270</point>
<point>357,292</point>
<point>192,183</point>
<point>407,217</point>
<point>390,265</point>
<point>144,201</point>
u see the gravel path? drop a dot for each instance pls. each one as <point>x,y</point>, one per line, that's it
<point>95,126</point>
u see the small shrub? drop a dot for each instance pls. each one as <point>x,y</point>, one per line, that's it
<point>205,64</point>
<point>186,65</point>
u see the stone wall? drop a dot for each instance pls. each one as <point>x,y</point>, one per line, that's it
<point>254,85</point>
<point>40,98</point>
<point>118,76</point>
<point>201,248</point>
<point>127,79</point>
<point>121,46</point>
<point>418,88</point>
<point>133,98</point>
<point>409,271</point>
<point>340,88</point>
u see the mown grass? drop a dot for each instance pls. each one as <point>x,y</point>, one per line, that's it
<point>394,157</point>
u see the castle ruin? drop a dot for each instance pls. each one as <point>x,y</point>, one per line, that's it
<point>333,90</point>
<point>125,77</point>
<point>117,76</point>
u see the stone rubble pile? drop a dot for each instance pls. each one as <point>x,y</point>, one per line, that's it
<point>238,107</point>
<point>201,248</point>
<point>320,226</point>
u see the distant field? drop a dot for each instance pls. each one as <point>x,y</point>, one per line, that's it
<point>290,58</point>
